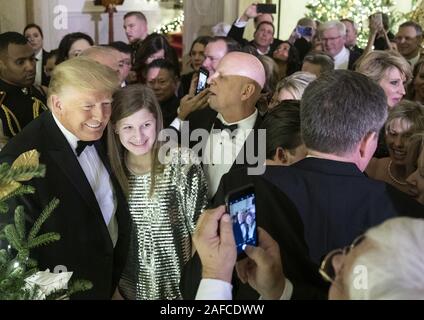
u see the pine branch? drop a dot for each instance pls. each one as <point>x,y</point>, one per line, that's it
<point>20,222</point>
<point>42,218</point>
<point>24,189</point>
<point>8,174</point>
<point>79,286</point>
<point>12,237</point>
<point>43,240</point>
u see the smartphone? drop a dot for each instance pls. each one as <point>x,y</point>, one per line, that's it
<point>266,8</point>
<point>203,78</point>
<point>304,31</point>
<point>241,205</point>
<point>378,17</point>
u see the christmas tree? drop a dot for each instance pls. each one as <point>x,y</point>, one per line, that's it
<point>356,10</point>
<point>19,277</point>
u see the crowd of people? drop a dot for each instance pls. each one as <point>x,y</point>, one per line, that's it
<point>330,135</point>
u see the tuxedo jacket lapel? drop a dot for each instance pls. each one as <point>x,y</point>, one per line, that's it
<point>62,153</point>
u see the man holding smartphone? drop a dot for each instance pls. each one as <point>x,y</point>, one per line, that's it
<point>237,29</point>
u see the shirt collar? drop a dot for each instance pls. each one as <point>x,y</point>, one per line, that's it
<point>70,137</point>
<point>342,55</point>
<point>39,55</point>
<point>246,123</point>
<point>414,60</point>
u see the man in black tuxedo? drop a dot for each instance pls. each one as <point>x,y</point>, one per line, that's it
<point>92,217</point>
<point>228,128</point>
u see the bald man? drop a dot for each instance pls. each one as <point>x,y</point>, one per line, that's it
<point>232,119</point>
<point>107,56</point>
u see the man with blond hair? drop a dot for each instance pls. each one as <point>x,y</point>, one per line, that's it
<point>92,217</point>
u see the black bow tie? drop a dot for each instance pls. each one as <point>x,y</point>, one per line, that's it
<point>218,125</point>
<point>81,146</point>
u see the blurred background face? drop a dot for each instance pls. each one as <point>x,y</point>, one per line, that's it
<point>135,29</point>
<point>350,34</point>
<point>124,65</point>
<point>35,39</point>
<point>332,41</point>
<point>397,140</point>
<point>197,56</point>
<point>214,52</point>
<point>282,52</point>
<point>407,41</point>
<point>137,132</point>
<point>416,179</point>
<point>264,35</point>
<point>419,84</point>
<point>162,82</point>
<point>77,48</point>
<point>50,65</point>
<point>393,86</point>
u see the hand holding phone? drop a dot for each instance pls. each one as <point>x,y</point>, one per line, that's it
<point>304,31</point>
<point>203,78</point>
<point>241,205</point>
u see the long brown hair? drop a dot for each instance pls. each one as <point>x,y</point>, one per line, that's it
<point>127,101</point>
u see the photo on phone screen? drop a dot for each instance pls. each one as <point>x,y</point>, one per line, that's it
<point>266,8</point>
<point>304,31</point>
<point>203,78</point>
<point>241,205</point>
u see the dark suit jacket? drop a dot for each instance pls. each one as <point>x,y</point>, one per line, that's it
<point>337,202</point>
<point>85,246</point>
<point>237,34</point>
<point>278,216</point>
<point>353,57</point>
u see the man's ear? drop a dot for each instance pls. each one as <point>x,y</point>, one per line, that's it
<point>247,91</point>
<point>367,149</point>
<point>280,156</point>
<point>56,104</point>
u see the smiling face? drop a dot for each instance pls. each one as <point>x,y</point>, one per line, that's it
<point>333,42</point>
<point>393,86</point>
<point>137,132</point>
<point>85,115</point>
<point>397,140</point>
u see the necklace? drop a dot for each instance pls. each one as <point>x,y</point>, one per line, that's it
<point>389,171</point>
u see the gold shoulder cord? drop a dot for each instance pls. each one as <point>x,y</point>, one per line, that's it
<point>36,107</point>
<point>9,115</point>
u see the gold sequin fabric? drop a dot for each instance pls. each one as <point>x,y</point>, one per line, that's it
<point>162,227</point>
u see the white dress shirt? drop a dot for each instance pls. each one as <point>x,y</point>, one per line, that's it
<point>39,67</point>
<point>212,289</point>
<point>99,180</point>
<point>341,60</point>
<point>222,149</point>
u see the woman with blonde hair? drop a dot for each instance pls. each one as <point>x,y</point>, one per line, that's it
<point>292,87</point>
<point>166,193</point>
<point>390,70</point>
<point>403,121</point>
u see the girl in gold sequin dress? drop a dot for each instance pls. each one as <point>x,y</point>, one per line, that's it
<point>165,196</point>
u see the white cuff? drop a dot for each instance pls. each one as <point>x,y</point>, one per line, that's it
<point>287,292</point>
<point>176,124</point>
<point>240,24</point>
<point>213,289</point>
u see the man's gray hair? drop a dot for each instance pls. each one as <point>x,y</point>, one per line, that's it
<point>394,263</point>
<point>339,109</point>
<point>333,24</point>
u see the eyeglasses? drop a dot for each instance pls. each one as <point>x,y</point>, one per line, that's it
<point>326,269</point>
<point>330,39</point>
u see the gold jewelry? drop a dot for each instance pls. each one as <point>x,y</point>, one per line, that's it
<point>389,171</point>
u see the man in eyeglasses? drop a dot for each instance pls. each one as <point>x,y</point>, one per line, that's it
<point>333,38</point>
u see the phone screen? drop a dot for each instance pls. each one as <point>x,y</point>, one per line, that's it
<point>241,205</point>
<point>266,8</point>
<point>304,31</point>
<point>203,78</point>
